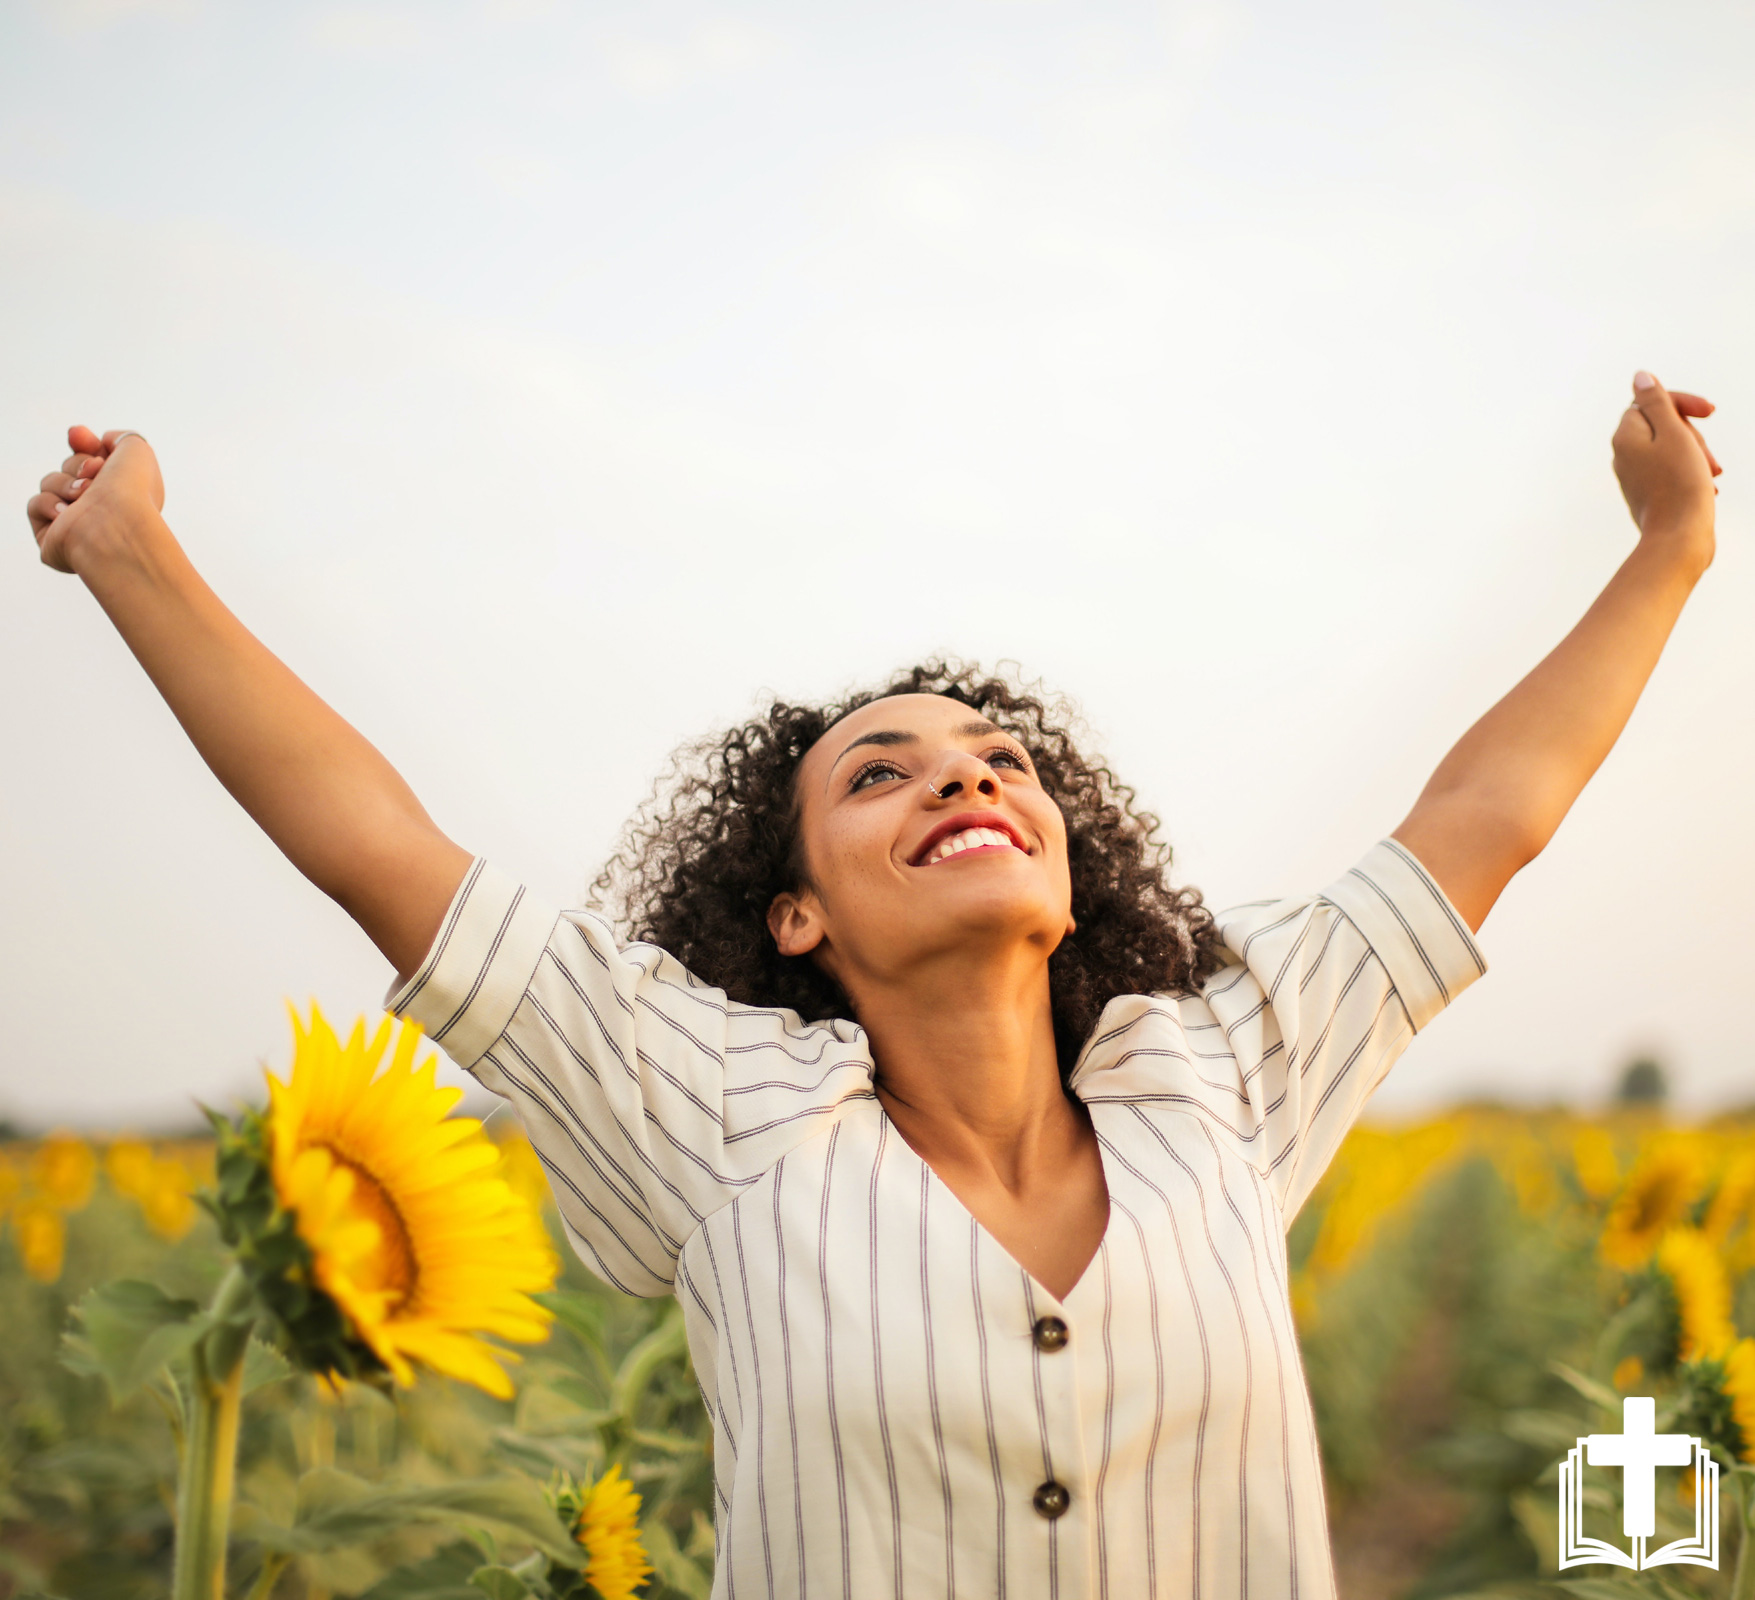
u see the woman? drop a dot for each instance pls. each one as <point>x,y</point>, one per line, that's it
<point>986,1290</point>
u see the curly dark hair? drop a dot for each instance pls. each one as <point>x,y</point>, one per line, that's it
<point>701,862</point>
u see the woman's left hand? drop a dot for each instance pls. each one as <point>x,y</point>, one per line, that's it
<point>1665,468</point>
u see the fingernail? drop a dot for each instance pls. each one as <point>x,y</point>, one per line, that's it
<point>1644,380</point>
<point>54,510</point>
<point>77,485</point>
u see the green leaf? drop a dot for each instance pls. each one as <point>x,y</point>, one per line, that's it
<point>1599,1394</point>
<point>675,1569</point>
<point>582,1392</point>
<point>669,1341</point>
<point>580,1314</point>
<point>500,1583</point>
<point>444,1576</point>
<point>131,1330</point>
<point>263,1364</point>
<point>1542,1430</point>
<point>336,1509</point>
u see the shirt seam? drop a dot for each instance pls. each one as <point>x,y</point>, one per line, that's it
<point>1377,956</point>
<point>753,1187</point>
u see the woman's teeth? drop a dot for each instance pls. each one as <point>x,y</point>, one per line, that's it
<point>968,839</point>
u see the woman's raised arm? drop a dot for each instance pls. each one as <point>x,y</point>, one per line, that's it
<point>1496,799</point>
<point>326,797</point>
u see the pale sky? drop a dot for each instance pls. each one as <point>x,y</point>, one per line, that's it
<point>544,382</point>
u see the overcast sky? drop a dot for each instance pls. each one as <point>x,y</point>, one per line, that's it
<point>546,382</point>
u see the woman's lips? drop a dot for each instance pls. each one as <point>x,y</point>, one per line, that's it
<point>967,834</point>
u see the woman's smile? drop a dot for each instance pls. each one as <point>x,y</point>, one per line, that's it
<point>968,833</point>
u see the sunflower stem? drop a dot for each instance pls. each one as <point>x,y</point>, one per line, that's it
<point>273,1564</point>
<point>210,1450</point>
<point>1743,1583</point>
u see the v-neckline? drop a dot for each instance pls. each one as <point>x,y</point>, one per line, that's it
<point>1036,1286</point>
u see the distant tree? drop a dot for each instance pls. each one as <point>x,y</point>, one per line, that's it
<point>1644,1083</point>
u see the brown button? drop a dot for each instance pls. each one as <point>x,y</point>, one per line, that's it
<point>1051,1500</point>
<point>1050,1334</point>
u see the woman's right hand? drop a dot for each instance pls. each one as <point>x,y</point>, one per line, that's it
<point>74,511</point>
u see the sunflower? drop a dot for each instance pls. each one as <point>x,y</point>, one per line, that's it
<point>40,1232</point>
<point>411,1233</point>
<point>1593,1159</point>
<point>1657,1194</point>
<point>1730,1205</point>
<point>373,1227</point>
<point>128,1165</point>
<point>167,1199</point>
<point>1703,1293</point>
<point>608,1527</point>
<point>63,1171</point>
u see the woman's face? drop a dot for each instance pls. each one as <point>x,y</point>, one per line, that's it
<point>924,831</point>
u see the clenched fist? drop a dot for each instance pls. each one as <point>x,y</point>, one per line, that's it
<point>1665,468</point>
<point>76,509</point>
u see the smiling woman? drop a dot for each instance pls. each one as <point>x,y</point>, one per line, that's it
<point>967,1144</point>
<point>701,867</point>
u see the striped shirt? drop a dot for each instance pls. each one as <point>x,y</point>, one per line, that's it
<point>898,1408</point>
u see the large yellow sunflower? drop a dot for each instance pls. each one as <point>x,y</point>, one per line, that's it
<point>1703,1293</point>
<point>1657,1194</point>
<point>411,1233</point>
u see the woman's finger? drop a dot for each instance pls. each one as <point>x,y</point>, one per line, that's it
<point>82,441</point>
<point>62,484</point>
<point>1711,459</point>
<point>42,509</point>
<point>1692,405</point>
<point>1635,427</point>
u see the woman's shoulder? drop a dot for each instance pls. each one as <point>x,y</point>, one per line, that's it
<point>772,1046</point>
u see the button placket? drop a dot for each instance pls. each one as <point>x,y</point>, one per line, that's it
<point>1056,1375</point>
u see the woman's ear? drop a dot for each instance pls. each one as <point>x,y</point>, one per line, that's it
<point>796,922</point>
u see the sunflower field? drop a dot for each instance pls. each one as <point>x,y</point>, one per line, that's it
<point>1474,1293</point>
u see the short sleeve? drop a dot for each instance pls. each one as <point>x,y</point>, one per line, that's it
<point>651,1099</point>
<point>1326,994</point>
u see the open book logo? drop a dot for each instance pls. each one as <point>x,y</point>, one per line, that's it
<point>1639,1450</point>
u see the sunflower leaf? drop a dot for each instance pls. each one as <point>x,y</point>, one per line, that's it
<point>1593,1391</point>
<point>442,1576</point>
<point>131,1330</point>
<point>263,1364</point>
<point>336,1509</point>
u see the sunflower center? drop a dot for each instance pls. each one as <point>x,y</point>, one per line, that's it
<point>391,1264</point>
<point>1656,1204</point>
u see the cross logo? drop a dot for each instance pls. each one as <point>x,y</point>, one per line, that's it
<point>1639,1450</point>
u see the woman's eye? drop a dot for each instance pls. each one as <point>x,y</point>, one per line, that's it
<point>1011,756</point>
<point>866,776</point>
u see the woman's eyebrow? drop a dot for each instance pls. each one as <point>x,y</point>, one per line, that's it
<point>889,737</point>
<point>884,736</point>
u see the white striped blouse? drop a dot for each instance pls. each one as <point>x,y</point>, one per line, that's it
<point>899,1409</point>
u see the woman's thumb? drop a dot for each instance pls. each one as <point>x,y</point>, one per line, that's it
<point>1653,400</point>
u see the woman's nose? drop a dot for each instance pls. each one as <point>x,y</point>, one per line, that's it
<point>963,773</point>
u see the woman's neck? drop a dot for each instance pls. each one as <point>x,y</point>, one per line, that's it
<point>967,1069</point>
